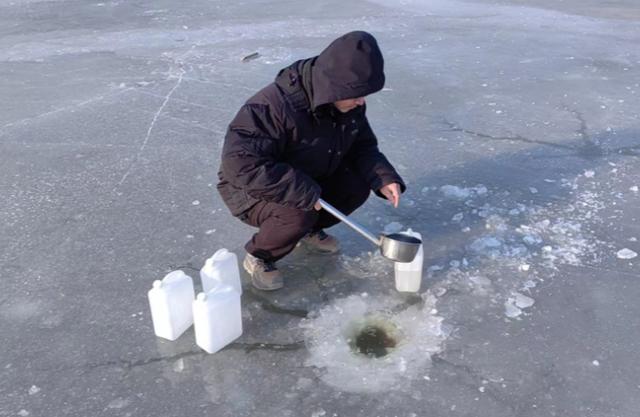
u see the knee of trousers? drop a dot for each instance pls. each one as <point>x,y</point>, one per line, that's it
<point>302,220</point>
<point>293,223</point>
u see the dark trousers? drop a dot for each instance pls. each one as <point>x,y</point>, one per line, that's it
<point>280,227</point>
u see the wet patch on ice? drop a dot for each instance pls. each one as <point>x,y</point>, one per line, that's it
<point>406,338</point>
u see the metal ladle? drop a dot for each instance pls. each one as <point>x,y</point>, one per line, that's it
<point>395,246</point>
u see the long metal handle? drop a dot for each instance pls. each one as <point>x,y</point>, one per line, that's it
<point>352,224</point>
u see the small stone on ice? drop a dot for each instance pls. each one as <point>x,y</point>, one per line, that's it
<point>533,190</point>
<point>195,202</point>
<point>34,390</point>
<point>525,267</point>
<point>626,254</point>
<point>481,389</point>
<point>596,363</point>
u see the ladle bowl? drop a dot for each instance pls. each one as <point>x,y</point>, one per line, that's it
<point>397,247</point>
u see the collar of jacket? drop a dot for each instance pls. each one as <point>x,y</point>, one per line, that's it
<point>295,82</point>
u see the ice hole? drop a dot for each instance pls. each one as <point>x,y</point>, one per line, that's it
<point>373,337</point>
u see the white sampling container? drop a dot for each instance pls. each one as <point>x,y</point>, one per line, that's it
<point>170,301</point>
<point>217,318</point>
<point>409,274</point>
<point>221,269</point>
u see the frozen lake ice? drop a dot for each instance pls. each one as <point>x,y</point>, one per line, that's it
<point>514,123</point>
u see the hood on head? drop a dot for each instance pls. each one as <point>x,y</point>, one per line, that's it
<point>351,66</point>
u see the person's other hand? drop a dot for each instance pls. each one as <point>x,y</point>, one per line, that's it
<point>392,192</point>
<point>317,206</point>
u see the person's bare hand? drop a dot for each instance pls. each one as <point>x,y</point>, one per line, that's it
<point>392,192</point>
<point>317,206</point>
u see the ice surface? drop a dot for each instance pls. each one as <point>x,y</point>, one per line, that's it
<point>112,129</point>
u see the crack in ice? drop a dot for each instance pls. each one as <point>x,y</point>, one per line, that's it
<point>151,125</point>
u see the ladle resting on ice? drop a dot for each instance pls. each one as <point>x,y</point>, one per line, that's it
<point>395,246</point>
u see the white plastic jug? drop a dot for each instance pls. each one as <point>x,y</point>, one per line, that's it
<point>170,301</point>
<point>409,274</point>
<point>217,318</point>
<point>221,269</point>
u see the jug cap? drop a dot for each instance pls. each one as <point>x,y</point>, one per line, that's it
<point>174,276</point>
<point>220,254</point>
<point>157,284</point>
<point>202,297</point>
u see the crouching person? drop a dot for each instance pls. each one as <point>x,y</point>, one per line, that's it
<point>301,138</point>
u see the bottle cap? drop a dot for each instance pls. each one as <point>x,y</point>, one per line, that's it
<point>157,284</point>
<point>220,254</point>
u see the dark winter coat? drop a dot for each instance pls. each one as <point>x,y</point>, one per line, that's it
<point>289,134</point>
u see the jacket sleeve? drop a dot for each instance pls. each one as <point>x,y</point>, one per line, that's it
<point>371,163</point>
<point>251,160</point>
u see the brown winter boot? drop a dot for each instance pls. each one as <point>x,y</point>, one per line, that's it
<point>320,242</point>
<point>264,275</point>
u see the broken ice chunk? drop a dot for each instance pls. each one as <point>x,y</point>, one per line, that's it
<point>451,191</point>
<point>393,227</point>
<point>522,301</point>
<point>480,281</point>
<point>589,173</point>
<point>511,310</point>
<point>532,240</point>
<point>626,254</point>
<point>482,244</point>
<point>457,217</point>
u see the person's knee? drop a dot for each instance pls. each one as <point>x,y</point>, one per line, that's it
<point>296,222</point>
<point>303,220</point>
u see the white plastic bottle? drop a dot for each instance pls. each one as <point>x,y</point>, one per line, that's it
<point>217,318</point>
<point>170,301</point>
<point>221,269</point>
<point>409,274</point>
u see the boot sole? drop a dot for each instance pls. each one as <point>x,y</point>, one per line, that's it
<point>257,284</point>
